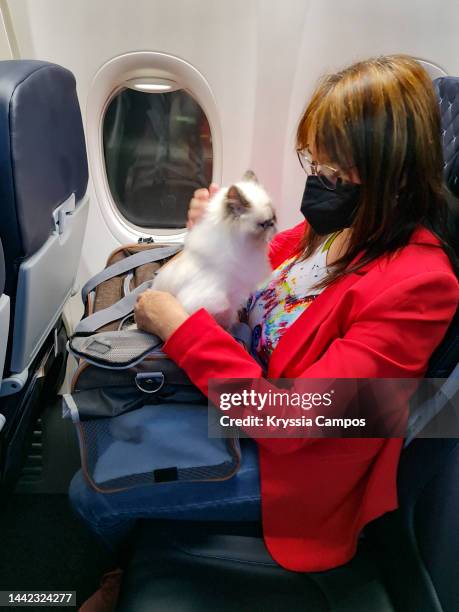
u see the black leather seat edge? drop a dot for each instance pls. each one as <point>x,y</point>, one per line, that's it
<point>196,567</point>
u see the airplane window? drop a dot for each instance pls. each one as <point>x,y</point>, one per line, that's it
<point>158,150</point>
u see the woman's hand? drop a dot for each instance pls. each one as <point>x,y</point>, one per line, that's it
<point>159,313</point>
<point>199,203</point>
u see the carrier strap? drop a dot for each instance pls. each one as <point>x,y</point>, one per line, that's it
<point>127,264</point>
<point>116,311</point>
<point>428,410</point>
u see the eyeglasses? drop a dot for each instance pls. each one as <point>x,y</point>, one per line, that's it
<point>328,176</point>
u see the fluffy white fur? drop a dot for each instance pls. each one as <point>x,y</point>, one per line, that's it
<point>225,254</point>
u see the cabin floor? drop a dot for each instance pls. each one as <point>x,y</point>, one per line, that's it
<point>42,544</point>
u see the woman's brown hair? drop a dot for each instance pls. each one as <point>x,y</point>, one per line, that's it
<point>380,117</point>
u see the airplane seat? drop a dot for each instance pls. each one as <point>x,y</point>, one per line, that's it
<point>426,527</point>
<point>406,561</point>
<point>43,213</point>
<point>446,356</point>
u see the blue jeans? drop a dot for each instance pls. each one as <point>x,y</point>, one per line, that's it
<point>112,516</point>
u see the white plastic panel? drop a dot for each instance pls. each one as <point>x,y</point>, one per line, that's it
<point>45,282</point>
<point>8,43</point>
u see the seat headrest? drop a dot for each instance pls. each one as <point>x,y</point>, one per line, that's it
<point>447,89</point>
<point>42,154</point>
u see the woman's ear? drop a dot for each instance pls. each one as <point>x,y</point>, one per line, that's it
<point>235,202</point>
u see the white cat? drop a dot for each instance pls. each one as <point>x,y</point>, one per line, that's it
<point>225,254</point>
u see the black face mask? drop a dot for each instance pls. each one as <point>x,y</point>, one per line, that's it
<point>329,211</point>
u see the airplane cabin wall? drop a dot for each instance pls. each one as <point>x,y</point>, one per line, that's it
<point>261,59</point>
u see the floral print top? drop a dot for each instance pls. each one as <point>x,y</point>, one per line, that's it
<point>283,298</point>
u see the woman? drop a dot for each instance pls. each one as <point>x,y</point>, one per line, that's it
<point>371,291</point>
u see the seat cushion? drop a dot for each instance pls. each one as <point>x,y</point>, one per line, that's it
<point>190,567</point>
<point>42,155</point>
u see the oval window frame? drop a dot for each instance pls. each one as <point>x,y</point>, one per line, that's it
<point>433,70</point>
<point>109,80</point>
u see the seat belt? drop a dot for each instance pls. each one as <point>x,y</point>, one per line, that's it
<point>428,410</point>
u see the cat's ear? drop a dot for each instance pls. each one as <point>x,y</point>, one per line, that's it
<point>235,202</point>
<point>250,175</point>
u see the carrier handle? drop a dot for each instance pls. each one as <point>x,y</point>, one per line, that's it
<point>148,381</point>
<point>116,311</point>
<point>127,264</point>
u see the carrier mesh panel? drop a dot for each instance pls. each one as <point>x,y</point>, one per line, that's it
<point>96,439</point>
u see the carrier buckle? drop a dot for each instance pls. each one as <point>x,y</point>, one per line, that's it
<point>150,382</point>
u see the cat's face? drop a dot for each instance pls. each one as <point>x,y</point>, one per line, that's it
<point>247,206</point>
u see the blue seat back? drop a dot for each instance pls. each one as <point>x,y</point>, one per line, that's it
<point>43,210</point>
<point>447,89</point>
<point>446,356</point>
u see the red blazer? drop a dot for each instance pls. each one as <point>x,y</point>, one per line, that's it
<point>384,321</point>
